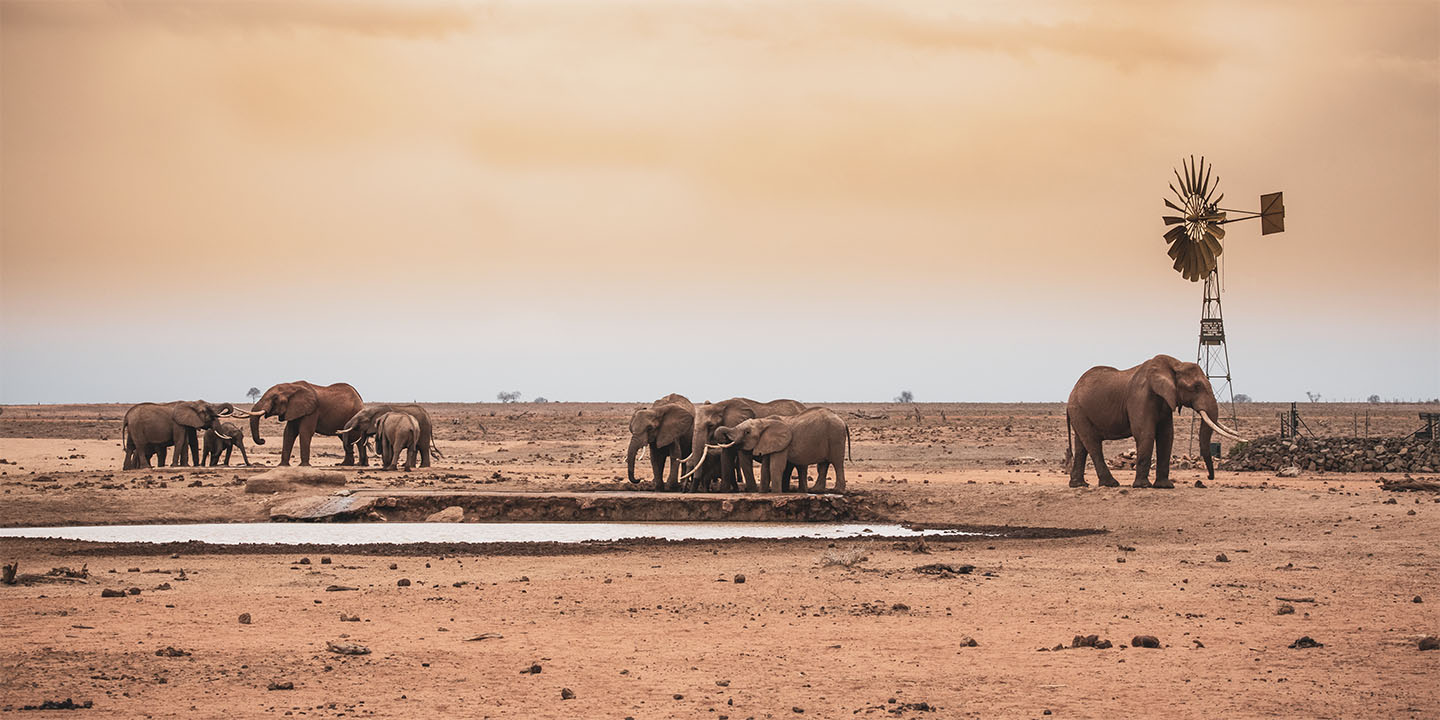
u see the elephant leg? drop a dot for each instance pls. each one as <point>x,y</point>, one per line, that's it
<point>177,439</point>
<point>243,457</point>
<point>821,468</point>
<point>193,438</point>
<point>1096,448</point>
<point>410,458</point>
<point>161,453</point>
<point>349,450</point>
<point>839,475</point>
<point>425,452</point>
<point>777,464</point>
<point>747,468</point>
<point>802,471</point>
<point>287,445</point>
<point>728,469</point>
<point>307,434</point>
<point>1164,444</point>
<point>1144,449</point>
<point>360,450</point>
<point>1077,465</point>
<point>657,470</point>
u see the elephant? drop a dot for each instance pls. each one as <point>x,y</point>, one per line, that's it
<point>365,422</point>
<point>729,413</point>
<point>815,437</point>
<point>149,428</point>
<point>306,409</point>
<point>223,437</point>
<point>396,431</point>
<point>1110,404</point>
<point>665,428</point>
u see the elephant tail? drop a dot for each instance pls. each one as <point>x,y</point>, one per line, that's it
<point>1069,444</point>
<point>848,454</point>
<point>436,451</point>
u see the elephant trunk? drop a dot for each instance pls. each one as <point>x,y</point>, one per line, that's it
<point>635,442</point>
<point>255,429</point>
<point>697,448</point>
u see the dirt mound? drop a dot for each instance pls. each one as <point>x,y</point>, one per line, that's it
<point>288,479</point>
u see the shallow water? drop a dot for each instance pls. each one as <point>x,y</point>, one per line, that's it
<point>360,533</point>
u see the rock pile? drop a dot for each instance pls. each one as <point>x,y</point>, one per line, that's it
<point>1335,454</point>
<point>1126,461</point>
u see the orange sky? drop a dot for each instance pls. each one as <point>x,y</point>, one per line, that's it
<point>827,200</point>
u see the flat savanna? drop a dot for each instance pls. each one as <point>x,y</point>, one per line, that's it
<point>817,629</point>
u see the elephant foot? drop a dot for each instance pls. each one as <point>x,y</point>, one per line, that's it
<point>1164,484</point>
<point>1109,482</point>
<point>1210,475</point>
<point>1077,482</point>
<point>1140,483</point>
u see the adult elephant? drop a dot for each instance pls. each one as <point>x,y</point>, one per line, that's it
<point>150,428</point>
<point>306,409</point>
<point>665,428</point>
<point>1110,404</point>
<point>816,437</point>
<point>729,413</point>
<point>365,424</point>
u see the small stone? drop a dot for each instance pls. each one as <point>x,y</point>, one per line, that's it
<point>739,579</point>
<point>1417,600</point>
<point>567,694</point>
<point>1199,484</point>
<point>1286,609</point>
<point>1306,642</point>
<point>349,618</point>
<point>1222,558</point>
<point>303,561</point>
<point>170,651</point>
<point>1145,641</point>
<point>797,709</point>
<point>347,648</point>
<point>340,588</point>
<point>533,669</point>
<point>244,618</point>
<point>110,592</point>
<point>1430,642</point>
<point>394,566</point>
<point>325,560</point>
<point>678,696</point>
<point>402,582</point>
<point>452,514</point>
<point>967,641</point>
<point>276,685</point>
<point>133,591</point>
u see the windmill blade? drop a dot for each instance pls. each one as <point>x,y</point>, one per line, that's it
<point>1173,206</point>
<point>1192,175</point>
<point>1217,230</point>
<point>1213,247</point>
<point>1174,233</point>
<point>1216,201</point>
<point>1176,250</point>
<point>1205,184</point>
<point>1179,180</point>
<point>1172,220</point>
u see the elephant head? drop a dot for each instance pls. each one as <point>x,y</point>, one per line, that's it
<point>757,436</point>
<point>708,418</point>
<point>199,414</point>
<point>1184,384</point>
<point>287,401</point>
<point>363,423</point>
<point>659,427</point>
<point>229,432</point>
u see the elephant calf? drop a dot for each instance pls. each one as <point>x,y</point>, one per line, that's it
<point>815,437</point>
<point>396,431</point>
<point>223,437</point>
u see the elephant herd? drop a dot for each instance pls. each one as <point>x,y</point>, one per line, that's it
<point>306,409</point>
<point>710,447</point>
<point>784,435</point>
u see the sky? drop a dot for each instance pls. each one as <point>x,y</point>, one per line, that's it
<point>593,200</point>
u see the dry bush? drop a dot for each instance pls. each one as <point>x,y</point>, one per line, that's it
<point>848,557</point>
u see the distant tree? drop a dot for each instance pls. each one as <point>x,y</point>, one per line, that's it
<point>508,397</point>
<point>253,393</point>
<point>1373,399</point>
<point>1243,398</point>
<point>1314,396</point>
<point>540,400</point>
<point>905,396</point>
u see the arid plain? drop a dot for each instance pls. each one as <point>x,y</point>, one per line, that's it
<point>649,629</point>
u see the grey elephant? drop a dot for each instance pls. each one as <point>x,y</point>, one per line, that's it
<point>396,431</point>
<point>150,428</point>
<point>665,428</point>
<point>223,437</point>
<point>1139,402</point>
<point>365,423</point>
<point>734,462</point>
<point>816,437</point>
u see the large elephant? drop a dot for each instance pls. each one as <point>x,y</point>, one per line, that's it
<point>364,424</point>
<point>223,437</point>
<point>306,409</point>
<point>149,428</point>
<point>729,413</point>
<point>815,437</point>
<point>665,428</point>
<point>1110,404</point>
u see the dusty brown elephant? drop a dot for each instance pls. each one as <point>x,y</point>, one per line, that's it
<point>1141,402</point>
<point>729,413</point>
<point>150,428</point>
<point>364,424</point>
<point>816,437</point>
<point>306,409</point>
<point>664,428</point>
<point>396,431</point>
<point>223,437</point>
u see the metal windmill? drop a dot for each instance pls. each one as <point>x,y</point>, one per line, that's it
<point>1195,246</point>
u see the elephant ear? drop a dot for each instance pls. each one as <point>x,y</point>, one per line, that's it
<point>675,423</point>
<point>302,402</point>
<point>186,415</point>
<point>1162,383</point>
<point>773,438</point>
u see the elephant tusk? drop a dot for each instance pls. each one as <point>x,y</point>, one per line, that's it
<point>719,447</point>
<point>237,413</point>
<point>698,463</point>
<point>1219,428</point>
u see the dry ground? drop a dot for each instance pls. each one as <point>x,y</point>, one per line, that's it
<point>649,631</point>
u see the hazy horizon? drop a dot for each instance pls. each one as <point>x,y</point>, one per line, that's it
<point>585,201</point>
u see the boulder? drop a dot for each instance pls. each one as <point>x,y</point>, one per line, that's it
<point>452,514</point>
<point>288,479</point>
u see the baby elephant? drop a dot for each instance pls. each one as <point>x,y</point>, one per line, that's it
<point>226,437</point>
<point>396,431</point>
<point>814,437</point>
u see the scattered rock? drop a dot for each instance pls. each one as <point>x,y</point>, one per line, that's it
<point>739,579</point>
<point>1091,641</point>
<point>967,641</point>
<point>169,651</point>
<point>1288,471</point>
<point>244,618</point>
<point>485,636</point>
<point>402,582</point>
<point>1417,600</point>
<point>110,592</point>
<point>276,685</point>
<point>1200,484</point>
<point>1306,642</point>
<point>303,561</point>
<point>1145,641</point>
<point>349,618</point>
<point>1430,642</point>
<point>347,648</point>
<point>567,694</point>
<point>66,704</point>
<point>325,560</point>
<point>1222,557</point>
<point>339,588</point>
<point>533,669</point>
<point>394,566</point>
<point>945,569</point>
<point>132,591</point>
<point>1285,609</point>
<point>452,514</point>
